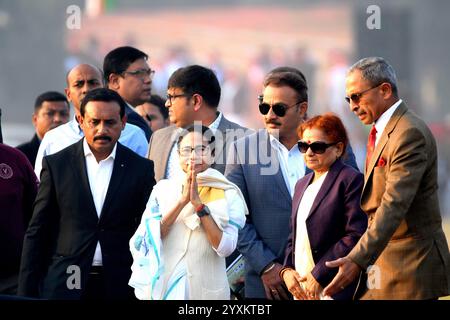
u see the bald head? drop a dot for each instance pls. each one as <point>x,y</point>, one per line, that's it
<point>80,80</point>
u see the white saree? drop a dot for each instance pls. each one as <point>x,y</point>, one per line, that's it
<point>184,265</point>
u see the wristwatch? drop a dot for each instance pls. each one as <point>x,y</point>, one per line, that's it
<point>202,211</point>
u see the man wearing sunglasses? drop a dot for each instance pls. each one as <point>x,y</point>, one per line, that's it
<point>262,242</point>
<point>128,73</point>
<point>404,246</point>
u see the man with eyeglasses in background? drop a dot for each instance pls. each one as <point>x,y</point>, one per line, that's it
<point>51,109</point>
<point>268,183</point>
<point>80,80</point>
<point>127,72</point>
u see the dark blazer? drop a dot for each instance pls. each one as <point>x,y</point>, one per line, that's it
<point>65,228</point>
<point>335,222</point>
<point>255,170</point>
<point>30,148</point>
<point>134,118</point>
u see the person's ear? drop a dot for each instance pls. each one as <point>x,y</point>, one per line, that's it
<point>124,121</point>
<point>81,122</point>
<point>197,100</point>
<point>303,109</point>
<point>67,92</point>
<point>114,81</point>
<point>386,90</point>
<point>34,119</point>
<point>340,149</point>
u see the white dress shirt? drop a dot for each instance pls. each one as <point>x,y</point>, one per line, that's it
<point>291,161</point>
<point>173,168</point>
<point>383,120</point>
<point>69,133</point>
<point>99,176</point>
<point>304,261</point>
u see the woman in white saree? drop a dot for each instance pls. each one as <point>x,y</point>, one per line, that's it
<point>188,228</point>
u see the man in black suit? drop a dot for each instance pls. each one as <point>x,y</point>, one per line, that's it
<point>89,204</point>
<point>127,72</point>
<point>51,109</point>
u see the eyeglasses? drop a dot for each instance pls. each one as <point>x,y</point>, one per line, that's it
<point>200,150</point>
<point>278,108</point>
<point>318,147</point>
<point>141,73</point>
<point>356,96</point>
<point>171,97</point>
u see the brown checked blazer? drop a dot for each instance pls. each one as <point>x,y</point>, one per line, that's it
<point>404,241</point>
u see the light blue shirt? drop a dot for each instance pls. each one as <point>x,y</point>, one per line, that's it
<point>67,134</point>
<point>291,161</point>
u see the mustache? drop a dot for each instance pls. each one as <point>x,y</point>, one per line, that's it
<point>108,138</point>
<point>273,122</point>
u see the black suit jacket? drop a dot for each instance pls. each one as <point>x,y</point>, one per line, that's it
<point>64,230</point>
<point>30,148</point>
<point>134,118</point>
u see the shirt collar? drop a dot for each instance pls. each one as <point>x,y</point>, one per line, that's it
<point>278,145</point>
<point>215,125</point>
<point>382,122</point>
<point>75,126</point>
<point>88,152</point>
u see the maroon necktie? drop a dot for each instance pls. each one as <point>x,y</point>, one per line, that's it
<point>371,145</point>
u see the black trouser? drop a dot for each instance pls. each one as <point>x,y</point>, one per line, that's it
<point>95,286</point>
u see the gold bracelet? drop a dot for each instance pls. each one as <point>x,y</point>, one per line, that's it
<point>283,271</point>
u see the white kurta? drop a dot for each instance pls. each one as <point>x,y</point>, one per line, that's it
<point>184,265</point>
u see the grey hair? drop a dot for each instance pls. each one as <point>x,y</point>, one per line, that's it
<point>376,70</point>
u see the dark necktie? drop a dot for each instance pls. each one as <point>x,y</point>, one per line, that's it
<point>371,145</point>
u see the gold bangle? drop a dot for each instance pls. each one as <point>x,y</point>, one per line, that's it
<point>283,271</point>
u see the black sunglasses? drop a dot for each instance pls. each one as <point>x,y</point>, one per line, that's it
<point>356,96</point>
<point>317,147</point>
<point>278,108</point>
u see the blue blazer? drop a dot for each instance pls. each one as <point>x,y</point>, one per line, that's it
<point>254,167</point>
<point>335,222</point>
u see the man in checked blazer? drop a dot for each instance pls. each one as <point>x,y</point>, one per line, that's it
<point>266,166</point>
<point>89,204</point>
<point>404,248</point>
